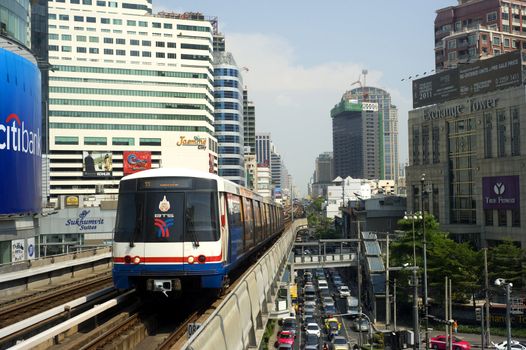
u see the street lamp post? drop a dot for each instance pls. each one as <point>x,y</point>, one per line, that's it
<point>426,306</point>
<point>501,282</point>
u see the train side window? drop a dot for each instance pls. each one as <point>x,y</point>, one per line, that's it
<point>202,216</point>
<point>249,223</point>
<point>235,224</point>
<point>259,225</point>
<point>264,213</point>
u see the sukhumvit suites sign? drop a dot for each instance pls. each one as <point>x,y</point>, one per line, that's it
<point>501,192</point>
<point>20,135</point>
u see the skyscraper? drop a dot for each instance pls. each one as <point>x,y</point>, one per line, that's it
<point>228,114</point>
<point>263,148</point>
<point>478,29</point>
<point>388,127</point>
<point>249,124</point>
<point>357,139</point>
<point>126,80</point>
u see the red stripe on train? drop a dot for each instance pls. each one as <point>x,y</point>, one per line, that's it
<point>169,259</point>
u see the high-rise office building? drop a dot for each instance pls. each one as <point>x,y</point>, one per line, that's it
<point>275,169</point>
<point>228,94</point>
<point>478,29</point>
<point>249,124</point>
<point>388,127</point>
<point>356,139</point>
<point>263,148</point>
<point>323,174</point>
<point>124,81</point>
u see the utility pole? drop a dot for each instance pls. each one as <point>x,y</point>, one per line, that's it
<point>487,305</point>
<point>446,309</point>
<point>426,306</point>
<point>394,304</point>
<point>387,305</point>
<point>416,326</point>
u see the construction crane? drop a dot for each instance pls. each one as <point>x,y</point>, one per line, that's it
<point>365,94</point>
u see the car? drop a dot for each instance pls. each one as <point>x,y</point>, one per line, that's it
<point>339,343</point>
<point>515,345</point>
<point>327,301</point>
<point>332,327</point>
<point>440,343</point>
<point>289,324</point>
<point>285,347</point>
<point>329,311</point>
<point>361,325</point>
<point>311,341</point>
<point>307,320</point>
<point>307,315</point>
<point>285,337</point>
<point>325,293</point>
<point>309,309</point>
<point>344,291</point>
<point>323,285</point>
<point>313,328</point>
<point>309,302</point>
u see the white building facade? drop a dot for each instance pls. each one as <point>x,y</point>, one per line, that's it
<point>346,190</point>
<point>124,80</point>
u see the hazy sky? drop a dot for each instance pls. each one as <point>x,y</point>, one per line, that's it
<point>303,55</point>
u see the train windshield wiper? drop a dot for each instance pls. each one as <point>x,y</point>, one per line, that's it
<point>190,229</point>
<point>138,226</point>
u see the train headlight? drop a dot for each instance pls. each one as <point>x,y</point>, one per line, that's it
<point>127,259</point>
<point>201,259</point>
<point>191,259</point>
<point>136,260</point>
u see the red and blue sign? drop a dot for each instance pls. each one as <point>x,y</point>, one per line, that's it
<point>20,135</point>
<point>136,161</point>
<point>501,192</point>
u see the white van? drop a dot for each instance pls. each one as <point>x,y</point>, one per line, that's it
<point>352,307</point>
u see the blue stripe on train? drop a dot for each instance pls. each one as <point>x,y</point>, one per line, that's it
<point>211,274</point>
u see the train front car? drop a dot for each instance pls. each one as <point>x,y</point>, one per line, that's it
<point>167,233</point>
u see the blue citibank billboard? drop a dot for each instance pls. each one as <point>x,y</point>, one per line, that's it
<point>20,135</point>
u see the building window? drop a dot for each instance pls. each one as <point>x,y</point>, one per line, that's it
<point>516,218</point>
<point>502,217</point>
<point>93,39</point>
<point>172,55</point>
<point>149,142</point>
<point>491,17</point>
<point>120,52</point>
<point>496,40</point>
<point>436,207</point>
<point>159,54</point>
<point>93,50</point>
<point>488,217</point>
<point>451,56</point>
<point>452,44</point>
<point>484,38</point>
<point>416,143</point>
<point>425,144</point>
<point>95,141</point>
<point>123,141</point>
<point>91,20</point>
<point>156,25</point>
<point>66,140</point>
<point>501,133</point>
<point>134,53</point>
<point>436,144</point>
<point>506,42</point>
<point>172,45</point>
<point>108,40</point>
<point>146,54</point>
<point>66,48</point>
<point>108,51</point>
<point>159,43</point>
<point>120,41</point>
<point>81,49</point>
<point>131,23</point>
<point>488,135</point>
<point>515,131</point>
<point>146,43</point>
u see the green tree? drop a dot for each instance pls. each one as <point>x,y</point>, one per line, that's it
<point>445,257</point>
<point>507,261</point>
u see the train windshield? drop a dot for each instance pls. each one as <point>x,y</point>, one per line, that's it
<point>165,216</point>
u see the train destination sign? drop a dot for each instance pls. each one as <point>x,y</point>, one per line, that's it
<point>468,80</point>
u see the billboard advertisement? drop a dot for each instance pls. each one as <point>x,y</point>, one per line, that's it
<point>499,72</point>
<point>501,192</point>
<point>277,192</point>
<point>97,164</point>
<point>435,88</point>
<point>135,161</point>
<point>20,135</point>
<point>18,251</point>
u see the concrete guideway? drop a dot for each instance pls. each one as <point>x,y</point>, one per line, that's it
<point>239,322</point>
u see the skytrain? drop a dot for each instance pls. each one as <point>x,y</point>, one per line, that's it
<point>182,229</point>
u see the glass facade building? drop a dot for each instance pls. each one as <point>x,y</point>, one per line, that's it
<point>15,20</point>
<point>388,113</point>
<point>228,115</point>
